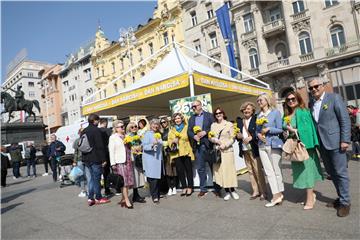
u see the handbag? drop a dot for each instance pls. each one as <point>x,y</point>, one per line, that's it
<point>215,153</point>
<point>295,150</point>
<point>115,181</point>
<point>75,173</point>
<point>138,162</point>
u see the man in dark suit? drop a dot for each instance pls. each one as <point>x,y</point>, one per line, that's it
<point>200,143</point>
<point>106,133</point>
<point>95,159</point>
<point>333,126</point>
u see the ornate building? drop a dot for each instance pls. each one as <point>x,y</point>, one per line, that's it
<point>112,60</point>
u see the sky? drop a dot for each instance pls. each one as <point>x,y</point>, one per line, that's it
<point>51,30</point>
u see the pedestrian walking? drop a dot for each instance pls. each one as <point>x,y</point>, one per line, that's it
<point>81,180</point>
<point>55,151</point>
<point>31,161</point>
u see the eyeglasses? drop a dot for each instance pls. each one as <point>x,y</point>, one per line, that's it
<point>291,100</point>
<point>122,127</point>
<point>259,100</point>
<point>314,87</point>
<point>218,113</point>
<point>133,127</point>
<point>163,122</point>
<point>194,106</point>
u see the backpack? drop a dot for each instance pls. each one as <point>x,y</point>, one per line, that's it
<point>84,145</point>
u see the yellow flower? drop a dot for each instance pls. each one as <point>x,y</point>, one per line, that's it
<point>136,138</point>
<point>197,129</point>
<point>325,107</point>
<point>128,139</point>
<point>211,134</point>
<point>177,134</point>
<point>157,135</point>
<point>236,129</point>
<point>287,120</point>
<point>261,121</point>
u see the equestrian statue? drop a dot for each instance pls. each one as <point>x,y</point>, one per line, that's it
<point>19,103</point>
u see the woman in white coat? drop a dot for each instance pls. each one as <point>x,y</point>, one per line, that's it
<point>120,160</point>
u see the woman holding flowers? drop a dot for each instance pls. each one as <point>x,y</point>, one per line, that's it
<point>153,159</point>
<point>268,129</point>
<point>136,150</point>
<point>299,120</point>
<point>222,134</point>
<point>181,152</point>
<point>120,160</point>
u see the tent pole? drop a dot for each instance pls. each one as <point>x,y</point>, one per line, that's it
<point>191,83</point>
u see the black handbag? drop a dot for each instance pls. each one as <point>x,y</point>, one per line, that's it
<point>115,181</point>
<point>215,153</point>
<point>138,162</point>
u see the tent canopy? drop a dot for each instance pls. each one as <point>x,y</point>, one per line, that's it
<point>173,78</point>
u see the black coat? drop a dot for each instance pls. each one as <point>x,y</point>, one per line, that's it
<point>208,120</point>
<point>96,141</point>
<point>106,133</point>
<point>252,130</point>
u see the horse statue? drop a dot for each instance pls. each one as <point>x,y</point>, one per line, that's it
<point>11,105</point>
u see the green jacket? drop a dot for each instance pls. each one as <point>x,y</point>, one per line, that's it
<point>306,128</point>
<point>15,153</point>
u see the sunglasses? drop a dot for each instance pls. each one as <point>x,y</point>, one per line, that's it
<point>133,127</point>
<point>122,127</point>
<point>314,87</point>
<point>218,113</point>
<point>291,99</point>
<point>163,122</point>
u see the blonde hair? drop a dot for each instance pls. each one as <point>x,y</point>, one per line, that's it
<point>245,104</point>
<point>128,127</point>
<point>267,99</point>
<point>115,123</point>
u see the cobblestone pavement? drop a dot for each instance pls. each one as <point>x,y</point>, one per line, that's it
<point>38,209</point>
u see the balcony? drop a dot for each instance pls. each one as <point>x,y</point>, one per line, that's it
<point>300,15</point>
<point>346,48</point>
<point>248,35</point>
<point>306,57</point>
<point>254,71</point>
<point>214,51</point>
<point>273,28</point>
<point>278,64</point>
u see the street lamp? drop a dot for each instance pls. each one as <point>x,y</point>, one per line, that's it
<point>127,39</point>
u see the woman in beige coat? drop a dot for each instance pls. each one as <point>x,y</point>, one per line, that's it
<point>224,172</point>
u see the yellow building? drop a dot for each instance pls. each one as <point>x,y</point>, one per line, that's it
<point>110,60</point>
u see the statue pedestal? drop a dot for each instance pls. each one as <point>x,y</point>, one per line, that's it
<point>19,132</point>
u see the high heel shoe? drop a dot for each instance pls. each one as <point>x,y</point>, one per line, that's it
<point>307,207</point>
<point>183,194</point>
<point>278,201</point>
<point>188,194</point>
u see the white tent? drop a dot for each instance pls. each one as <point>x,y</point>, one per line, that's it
<point>176,76</point>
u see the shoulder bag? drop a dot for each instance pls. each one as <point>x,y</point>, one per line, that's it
<point>215,153</point>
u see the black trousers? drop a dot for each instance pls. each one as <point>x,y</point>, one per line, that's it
<point>53,164</point>
<point>106,172</point>
<point>184,171</point>
<point>46,163</point>
<point>154,187</point>
<point>3,176</point>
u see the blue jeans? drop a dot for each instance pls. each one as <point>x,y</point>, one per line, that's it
<point>200,156</point>
<point>29,163</point>
<point>16,169</point>
<point>335,162</point>
<point>81,180</point>
<point>94,187</point>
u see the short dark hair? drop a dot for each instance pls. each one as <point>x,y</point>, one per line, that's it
<point>103,120</point>
<point>93,117</point>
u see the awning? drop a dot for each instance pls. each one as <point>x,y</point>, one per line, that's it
<point>171,79</point>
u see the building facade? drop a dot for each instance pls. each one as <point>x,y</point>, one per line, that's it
<point>26,74</point>
<point>51,97</point>
<point>77,83</point>
<point>287,42</point>
<point>110,60</point>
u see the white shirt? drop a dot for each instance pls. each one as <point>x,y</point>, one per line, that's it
<point>317,107</point>
<point>244,132</point>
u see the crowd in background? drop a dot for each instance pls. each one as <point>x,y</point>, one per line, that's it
<point>167,150</point>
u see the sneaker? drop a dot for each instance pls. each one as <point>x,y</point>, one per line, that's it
<point>14,178</point>
<point>117,194</point>
<point>45,174</point>
<point>170,192</point>
<point>91,202</point>
<point>227,196</point>
<point>82,194</point>
<point>235,195</point>
<point>174,191</point>
<point>102,201</point>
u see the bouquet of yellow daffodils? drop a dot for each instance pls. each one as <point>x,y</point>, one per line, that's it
<point>196,130</point>
<point>261,121</point>
<point>177,134</point>
<point>128,139</point>
<point>211,134</point>
<point>157,135</point>
<point>287,120</point>
<point>236,130</point>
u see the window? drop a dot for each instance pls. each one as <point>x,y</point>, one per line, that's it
<point>142,74</point>
<point>115,87</point>
<point>305,43</point>
<point>31,94</point>
<point>197,45</point>
<point>210,11</point>
<point>113,67</point>
<point>102,72</point>
<point>233,32</point>
<point>350,94</point>
<point>280,51</point>
<point>131,59</point>
<point>217,67</point>
<point>122,63</point>
<point>329,3</point>
<point>104,93</point>
<point>213,40</point>
<point>166,38</point>
<point>140,54</point>
<point>248,23</point>
<point>151,48</point>
<point>98,72</point>
<point>254,59</point>
<point>31,84</point>
<point>298,6</point>
<point>124,83</point>
<point>337,36</point>
<point>30,74</point>
<point>133,78</point>
<point>275,14</point>
<point>193,18</point>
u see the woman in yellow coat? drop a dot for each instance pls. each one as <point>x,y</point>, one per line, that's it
<point>181,152</point>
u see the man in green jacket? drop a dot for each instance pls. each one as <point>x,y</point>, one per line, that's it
<point>16,158</point>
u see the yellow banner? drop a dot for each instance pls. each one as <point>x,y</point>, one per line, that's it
<point>138,94</point>
<point>226,85</point>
